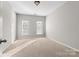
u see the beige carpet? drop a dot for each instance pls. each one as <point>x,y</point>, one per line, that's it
<point>43,47</point>
<point>16,44</point>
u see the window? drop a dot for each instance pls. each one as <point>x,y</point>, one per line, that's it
<point>25,27</point>
<point>39,26</point>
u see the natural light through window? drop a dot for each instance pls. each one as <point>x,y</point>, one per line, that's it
<point>25,27</point>
<point>39,26</point>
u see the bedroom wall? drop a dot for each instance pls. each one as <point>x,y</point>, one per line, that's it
<point>32,29</point>
<point>63,24</point>
<point>7,15</point>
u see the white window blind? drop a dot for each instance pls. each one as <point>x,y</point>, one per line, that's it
<point>39,26</point>
<point>25,27</point>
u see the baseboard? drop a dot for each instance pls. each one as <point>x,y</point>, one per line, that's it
<point>63,44</point>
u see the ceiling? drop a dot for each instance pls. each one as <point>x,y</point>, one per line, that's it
<point>28,7</point>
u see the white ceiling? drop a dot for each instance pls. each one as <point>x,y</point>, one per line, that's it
<point>28,7</point>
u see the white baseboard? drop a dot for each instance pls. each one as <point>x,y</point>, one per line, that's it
<point>63,44</point>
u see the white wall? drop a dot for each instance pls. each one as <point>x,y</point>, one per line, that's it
<point>32,30</point>
<point>13,27</point>
<point>8,15</point>
<point>63,24</point>
<point>1,28</point>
